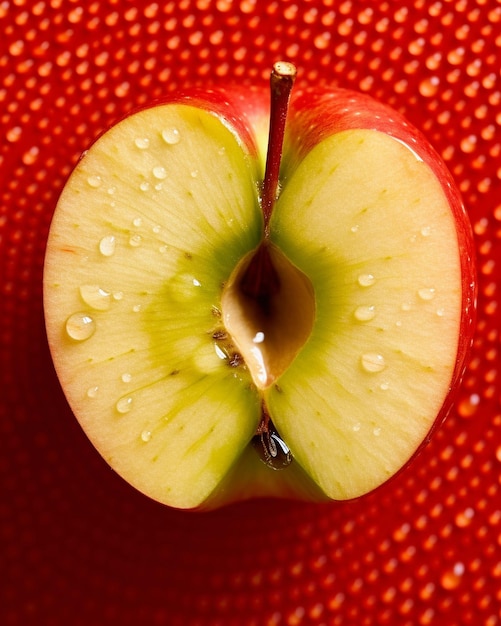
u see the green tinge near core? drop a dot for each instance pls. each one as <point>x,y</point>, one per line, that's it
<point>368,223</point>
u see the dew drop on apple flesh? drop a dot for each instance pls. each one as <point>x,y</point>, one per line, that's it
<point>135,241</point>
<point>96,297</point>
<point>427,293</point>
<point>143,143</point>
<point>159,172</point>
<point>146,436</point>
<point>80,326</point>
<point>366,280</point>
<point>95,181</point>
<point>365,313</point>
<point>171,136</point>
<point>107,245</point>
<point>124,405</point>
<point>373,362</point>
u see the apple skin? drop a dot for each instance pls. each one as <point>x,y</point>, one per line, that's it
<point>314,115</point>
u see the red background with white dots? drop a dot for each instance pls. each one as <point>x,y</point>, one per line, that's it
<point>81,547</point>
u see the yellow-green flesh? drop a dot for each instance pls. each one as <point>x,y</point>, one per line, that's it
<point>147,231</point>
<point>149,226</point>
<point>369,224</point>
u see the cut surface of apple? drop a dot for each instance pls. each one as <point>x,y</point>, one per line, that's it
<point>170,358</point>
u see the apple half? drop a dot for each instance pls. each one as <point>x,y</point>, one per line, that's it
<point>197,332</point>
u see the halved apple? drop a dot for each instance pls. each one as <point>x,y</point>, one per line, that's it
<point>188,327</point>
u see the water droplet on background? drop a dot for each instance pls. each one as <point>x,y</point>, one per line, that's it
<point>137,221</point>
<point>80,326</point>
<point>144,186</point>
<point>107,245</point>
<point>126,377</point>
<point>373,362</point>
<point>171,136</point>
<point>95,297</point>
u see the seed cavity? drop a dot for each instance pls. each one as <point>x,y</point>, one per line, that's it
<point>80,326</point>
<point>272,449</point>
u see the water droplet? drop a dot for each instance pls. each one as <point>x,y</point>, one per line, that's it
<point>365,313</point>
<point>220,352</point>
<point>162,249</point>
<point>406,306</point>
<point>272,449</point>
<point>156,229</point>
<point>197,283</point>
<point>135,240</point>
<point>377,431</point>
<point>171,136</point>
<point>137,221</point>
<point>354,228</point>
<point>440,312</point>
<point>159,172</point>
<point>80,326</point>
<point>144,186</point>
<point>136,308</point>
<point>159,187</point>
<point>126,377</point>
<point>146,436</point>
<point>426,231</point>
<point>118,295</point>
<point>95,297</point>
<point>384,386</point>
<point>427,293</point>
<point>95,181</point>
<point>221,150</point>
<point>107,245</point>
<point>373,362</point>
<point>142,143</point>
<point>258,338</point>
<point>124,405</point>
<point>366,280</point>
<point>111,190</point>
<point>194,173</point>
<point>92,391</point>
<point>356,427</point>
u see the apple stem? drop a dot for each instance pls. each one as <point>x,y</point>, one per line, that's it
<point>281,82</point>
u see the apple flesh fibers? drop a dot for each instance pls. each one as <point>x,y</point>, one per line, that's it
<point>146,316</point>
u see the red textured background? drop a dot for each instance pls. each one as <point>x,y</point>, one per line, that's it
<point>78,545</point>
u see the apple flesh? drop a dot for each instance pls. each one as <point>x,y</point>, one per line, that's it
<point>186,329</point>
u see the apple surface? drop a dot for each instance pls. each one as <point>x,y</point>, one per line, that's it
<point>196,334</point>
